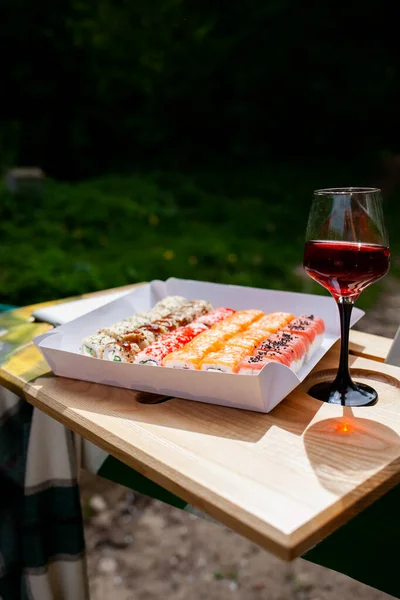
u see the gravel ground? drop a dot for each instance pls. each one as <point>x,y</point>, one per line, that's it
<point>141,549</point>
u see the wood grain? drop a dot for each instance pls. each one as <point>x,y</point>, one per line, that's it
<point>285,480</point>
<point>369,345</point>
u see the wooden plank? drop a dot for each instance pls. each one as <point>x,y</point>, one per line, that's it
<point>369,346</point>
<point>285,480</point>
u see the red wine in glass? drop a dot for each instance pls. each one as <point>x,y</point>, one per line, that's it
<point>346,250</point>
<point>345,268</point>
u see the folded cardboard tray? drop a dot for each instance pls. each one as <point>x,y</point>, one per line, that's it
<point>261,392</point>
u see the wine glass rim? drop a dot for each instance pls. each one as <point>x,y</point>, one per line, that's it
<point>347,190</point>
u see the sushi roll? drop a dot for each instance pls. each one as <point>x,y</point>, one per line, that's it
<point>223,361</point>
<point>296,343</point>
<point>120,352</point>
<point>265,325</point>
<point>155,353</point>
<point>284,347</point>
<point>293,347</point>
<point>232,352</point>
<point>94,345</point>
<point>315,322</point>
<point>191,356</point>
<point>272,322</point>
<point>252,365</point>
<point>148,334</point>
<point>161,309</point>
<point>239,321</point>
<point>215,316</point>
<point>184,358</point>
<point>248,340</point>
<point>230,326</point>
<point>118,330</point>
<point>311,328</point>
<point>171,303</point>
<point>244,318</point>
<point>283,317</point>
<point>222,331</point>
<point>191,311</point>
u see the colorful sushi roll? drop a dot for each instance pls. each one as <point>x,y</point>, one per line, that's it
<point>272,322</point>
<point>191,356</point>
<point>215,316</point>
<point>248,340</point>
<point>162,309</point>
<point>183,334</point>
<point>223,361</point>
<point>295,346</point>
<point>155,353</point>
<point>148,334</point>
<point>284,316</point>
<point>311,328</point>
<point>289,346</point>
<point>230,355</point>
<point>275,347</point>
<point>94,345</point>
<point>171,303</point>
<point>121,351</point>
<point>244,318</point>
<point>269,351</point>
<point>252,365</point>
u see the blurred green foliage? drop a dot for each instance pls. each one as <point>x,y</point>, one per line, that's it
<point>90,86</point>
<point>244,228</point>
<point>194,95</point>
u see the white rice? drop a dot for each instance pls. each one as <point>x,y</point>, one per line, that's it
<point>220,369</point>
<point>314,346</point>
<point>247,371</point>
<point>116,353</point>
<point>180,363</point>
<point>94,345</point>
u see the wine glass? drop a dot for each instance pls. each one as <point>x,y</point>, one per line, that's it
<point>347,249</point>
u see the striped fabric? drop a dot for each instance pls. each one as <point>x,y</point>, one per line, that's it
<point>41,529</point>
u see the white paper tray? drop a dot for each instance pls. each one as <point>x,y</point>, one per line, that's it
<point>262,392</point>
<point>67,311</point>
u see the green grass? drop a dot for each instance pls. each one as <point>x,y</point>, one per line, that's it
<point>244,228</point>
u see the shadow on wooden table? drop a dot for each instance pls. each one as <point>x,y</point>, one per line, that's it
<point>365,548</point>
<point>327,443</point>
<point>292,415</point>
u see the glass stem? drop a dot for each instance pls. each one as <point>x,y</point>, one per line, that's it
<point>343,380</point>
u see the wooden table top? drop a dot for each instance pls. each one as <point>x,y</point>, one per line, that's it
<point>285,479</point>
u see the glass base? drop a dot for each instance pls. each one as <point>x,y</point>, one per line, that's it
<point>355,394</point>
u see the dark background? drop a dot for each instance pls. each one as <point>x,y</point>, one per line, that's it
<point>186,137</point>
